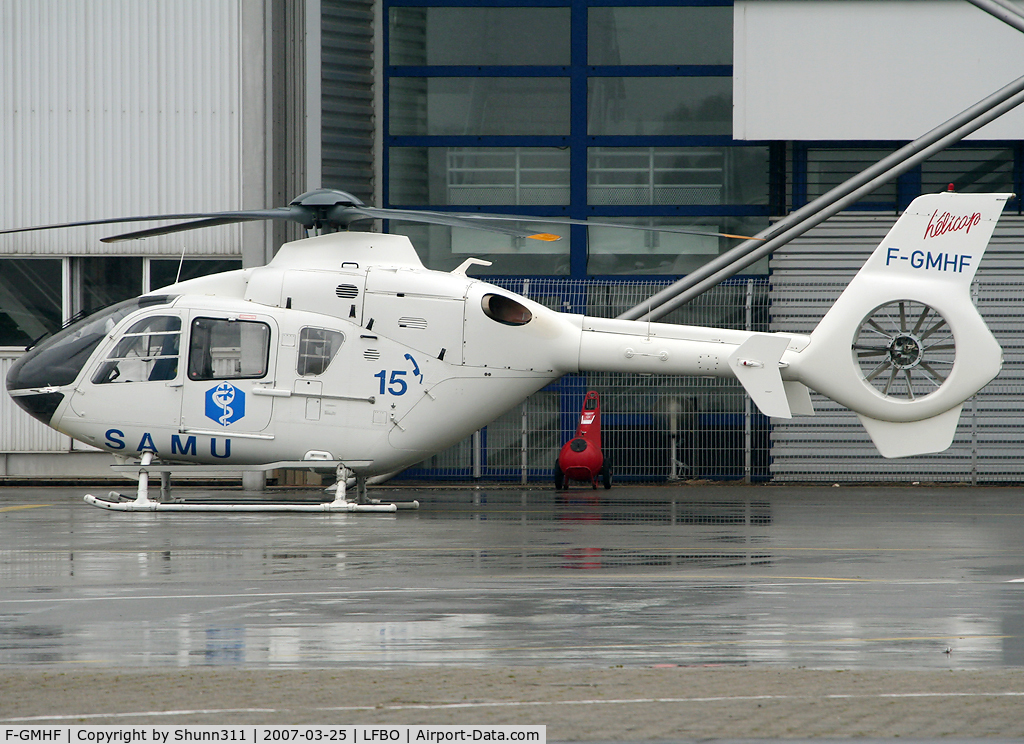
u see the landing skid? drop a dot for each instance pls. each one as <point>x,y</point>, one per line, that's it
<point>115,501</point>
<point>136,505</point>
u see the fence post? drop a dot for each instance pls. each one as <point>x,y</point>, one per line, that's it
<point>748,416</point>
<point>525,421</point>
<point>522,447</point>
<point>974,440</point>
<point>477,457</point>
<point>673,439</point>
<point>975,298</point>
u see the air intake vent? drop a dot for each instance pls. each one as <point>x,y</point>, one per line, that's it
<point>347,291</point>
<point>371,355</point>
<point>420,323</point>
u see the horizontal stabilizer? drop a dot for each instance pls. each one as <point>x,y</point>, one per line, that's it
<point>904,439</point>
<point>756,364</point>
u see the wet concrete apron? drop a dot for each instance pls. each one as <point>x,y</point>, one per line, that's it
<point>637,613</point>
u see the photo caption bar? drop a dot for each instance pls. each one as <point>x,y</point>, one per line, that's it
<point>405,734</point>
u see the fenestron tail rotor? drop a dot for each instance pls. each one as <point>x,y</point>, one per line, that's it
<point>905,349</point>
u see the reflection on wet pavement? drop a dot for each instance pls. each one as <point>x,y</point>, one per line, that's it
<point>910,578</point>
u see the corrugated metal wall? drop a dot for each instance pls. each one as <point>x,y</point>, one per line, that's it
<point>347,96</point>
<point>116,108</point>
<point>809,274</point>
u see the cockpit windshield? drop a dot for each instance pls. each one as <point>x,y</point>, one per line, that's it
<point>58,360</point>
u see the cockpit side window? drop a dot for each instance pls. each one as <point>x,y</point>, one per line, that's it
<point>147,352</point>
<point>59,359</point>
<point>222,349</point>
<point>317,348</point>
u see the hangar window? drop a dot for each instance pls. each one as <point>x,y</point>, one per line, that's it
<point>317,349</point>
<point>492,106</point>
<point>31,308</point>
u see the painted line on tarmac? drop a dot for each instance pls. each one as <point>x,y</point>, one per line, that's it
<point>530,703</point>
<point>753,581</point>
<point>701,644</point>
<point>139,714</point>
<point>676,701</point>
<point>25,506</point>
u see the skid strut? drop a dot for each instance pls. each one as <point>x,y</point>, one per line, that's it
<point>115,501</point>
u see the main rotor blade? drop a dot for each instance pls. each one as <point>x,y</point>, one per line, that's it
<point>466,219</point>
<point>592,223</point>
<point>343,214</point>
<point>650,228</point>
<point>249,214</point>
<point>180,227</point>
<point>448,219</point>
<point>296,214</point>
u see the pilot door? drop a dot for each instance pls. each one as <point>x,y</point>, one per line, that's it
<point>229,367</point>
<point>137,381</point>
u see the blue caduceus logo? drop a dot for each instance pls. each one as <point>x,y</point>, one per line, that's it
<point>225,403</point>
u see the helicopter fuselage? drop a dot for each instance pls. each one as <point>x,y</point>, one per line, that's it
<point>343,348</point>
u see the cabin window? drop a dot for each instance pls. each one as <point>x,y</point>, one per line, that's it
<point>228,349</point>
<point>147,352</point>
<point>317,348</point>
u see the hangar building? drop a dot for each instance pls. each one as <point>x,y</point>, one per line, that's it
<point>710,113</point>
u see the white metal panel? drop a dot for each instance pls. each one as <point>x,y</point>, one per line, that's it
<point>19,432</point>
<point>867,69</point>
<point>111,108</point>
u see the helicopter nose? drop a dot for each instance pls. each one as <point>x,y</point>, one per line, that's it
<point>35,380</point>
<point>40,401</point>
<point>40,406</point>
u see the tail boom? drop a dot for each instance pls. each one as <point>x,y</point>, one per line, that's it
<point>755,359</point>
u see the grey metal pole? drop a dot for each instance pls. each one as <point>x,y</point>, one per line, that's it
<point>1003,10</point>
<point>881,172</point>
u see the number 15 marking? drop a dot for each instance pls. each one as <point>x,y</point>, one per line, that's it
<point>396,385</point>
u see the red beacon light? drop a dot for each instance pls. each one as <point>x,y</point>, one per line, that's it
<point>581,459</point>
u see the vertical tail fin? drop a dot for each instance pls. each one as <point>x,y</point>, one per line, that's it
<point>904,345</point>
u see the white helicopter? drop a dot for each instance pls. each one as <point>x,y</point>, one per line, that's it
<point>345,351</point>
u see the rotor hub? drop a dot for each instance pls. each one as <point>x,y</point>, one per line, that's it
<point>905,351</point>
